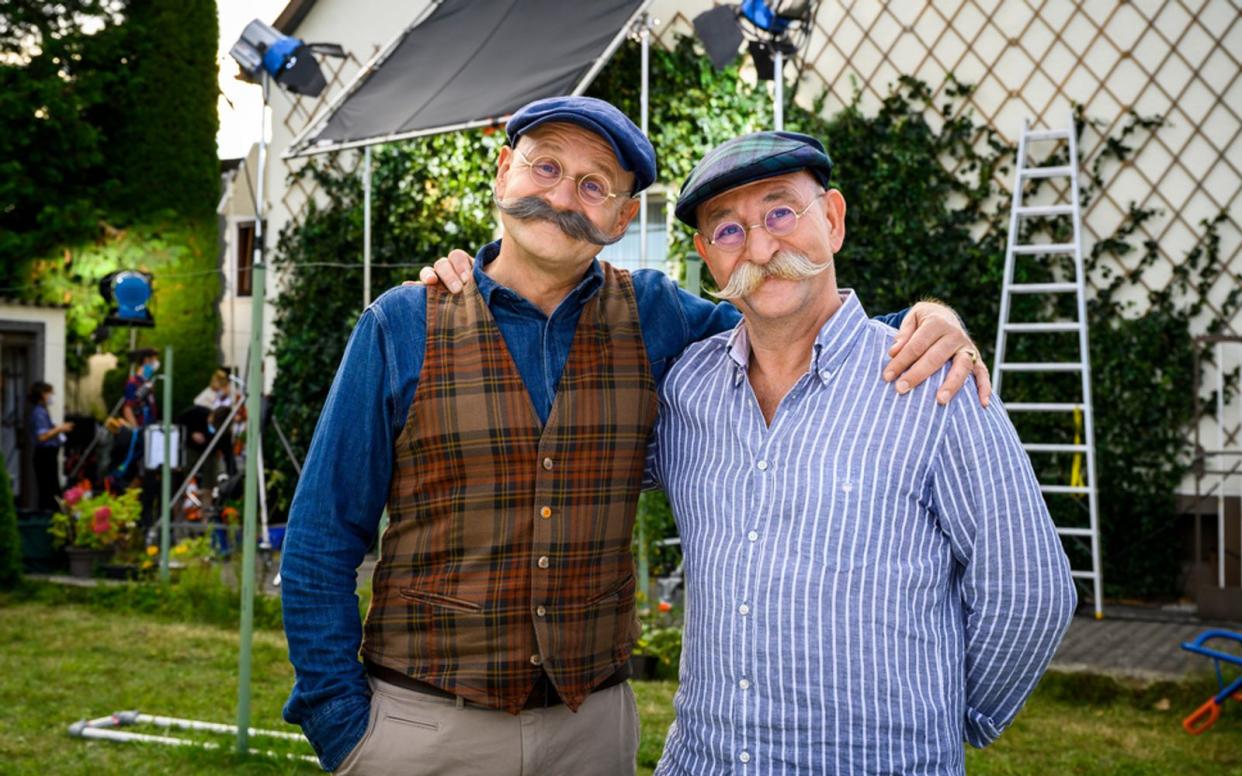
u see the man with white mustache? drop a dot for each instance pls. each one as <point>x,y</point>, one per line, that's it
<point>872,578</point>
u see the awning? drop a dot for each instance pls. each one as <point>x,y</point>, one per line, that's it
<point>471,63</point>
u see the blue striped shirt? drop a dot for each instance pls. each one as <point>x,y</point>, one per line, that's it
<point>870,581</point>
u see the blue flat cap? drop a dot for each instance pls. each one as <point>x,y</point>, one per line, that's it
<point>747,159</point>
<point>631,146</point>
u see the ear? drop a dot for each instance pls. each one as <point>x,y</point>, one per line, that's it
<point>834,211</point>
<point>624,216</point>
<point>504,165</point>
<point>700,245</point>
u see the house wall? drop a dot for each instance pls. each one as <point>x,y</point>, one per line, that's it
<point>52,335</point>
<point>1180,60</point>
<point>362,28</point>
<point>42,330</point>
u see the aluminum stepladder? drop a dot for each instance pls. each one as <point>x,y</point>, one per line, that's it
<point>1001,367</point>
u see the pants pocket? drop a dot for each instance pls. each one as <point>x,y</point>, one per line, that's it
<point>351,765</point>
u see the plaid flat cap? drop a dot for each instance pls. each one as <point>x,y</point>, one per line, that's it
<point>634,151</point>
<point>747,159</point>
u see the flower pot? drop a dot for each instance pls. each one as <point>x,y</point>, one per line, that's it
<point>39,556</point>
<point>82,560</point>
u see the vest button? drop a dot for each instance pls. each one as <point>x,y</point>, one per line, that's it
<point>547,464</point>
<point>543,561</point>
<point>535,660</point>
<point>545,513</point>
<point>539,610</point>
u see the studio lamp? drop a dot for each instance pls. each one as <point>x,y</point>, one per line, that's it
<point>773,30</point>
<point>128,292</point>
<point>266,56</point>
<point>290,61</point>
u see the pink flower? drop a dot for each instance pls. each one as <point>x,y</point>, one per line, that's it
<point>73,495</point>
<point>102,521</point>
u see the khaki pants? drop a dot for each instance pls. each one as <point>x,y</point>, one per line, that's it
<point>413,733</point>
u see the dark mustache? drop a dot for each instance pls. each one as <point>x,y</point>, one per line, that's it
<point>575,225</point>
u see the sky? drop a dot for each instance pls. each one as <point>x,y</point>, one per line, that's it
<point>240,103</point>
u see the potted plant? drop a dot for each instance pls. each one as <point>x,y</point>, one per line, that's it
<point>92,526</point>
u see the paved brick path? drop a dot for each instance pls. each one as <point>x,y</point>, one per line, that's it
<point>1137,642</point>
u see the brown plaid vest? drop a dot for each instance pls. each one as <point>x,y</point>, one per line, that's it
<point>508,545</point>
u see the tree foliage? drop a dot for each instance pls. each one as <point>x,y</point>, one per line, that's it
<point>108,162</point>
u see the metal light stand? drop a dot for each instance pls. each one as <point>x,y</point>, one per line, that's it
<point>107,728</point>
<point>778,96</point>
<point>643,27</point>
<point>166,465</point>
<point>254,411</point>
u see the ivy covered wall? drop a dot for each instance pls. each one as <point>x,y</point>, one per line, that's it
<point>927,218</point>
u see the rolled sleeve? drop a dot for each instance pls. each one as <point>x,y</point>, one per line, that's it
<point>1016,590</point>
<point>332,523</point>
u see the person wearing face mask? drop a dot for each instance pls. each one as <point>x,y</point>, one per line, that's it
<point>140,408</point>
<point>49,437</point>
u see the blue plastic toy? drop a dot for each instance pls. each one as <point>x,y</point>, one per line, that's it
<point>1207,714</point>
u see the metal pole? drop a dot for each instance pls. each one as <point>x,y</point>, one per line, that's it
<point>166,468</point>
<point>1224,477</point>
<point>778,75</point>
<point>254,410</point>
<point>366,226</point>
<point>644,36</point>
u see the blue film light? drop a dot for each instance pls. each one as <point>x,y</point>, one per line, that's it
<point>128,292</point>
<point>131,291</point>
<point>763,17</point>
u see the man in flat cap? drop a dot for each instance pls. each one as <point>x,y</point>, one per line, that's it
<point>872,578</point>
<point>505,428</point>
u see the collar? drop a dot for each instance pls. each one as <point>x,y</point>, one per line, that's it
<point>833,344</point>
<point>590,284</point>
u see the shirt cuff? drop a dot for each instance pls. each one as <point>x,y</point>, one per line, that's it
<point>981,729</point>
<point>336,728</point>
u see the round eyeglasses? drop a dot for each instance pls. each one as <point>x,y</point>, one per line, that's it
<point>546,171</point>
<point>780,221</point>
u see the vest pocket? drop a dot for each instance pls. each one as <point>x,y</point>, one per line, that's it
<point>614,593</point>
<point>440,601</point>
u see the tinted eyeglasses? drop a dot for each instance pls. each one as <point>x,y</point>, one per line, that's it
<point>547,171</point>
<point>780,221</point>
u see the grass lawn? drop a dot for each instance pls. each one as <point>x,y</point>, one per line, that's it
<point>60,663</point>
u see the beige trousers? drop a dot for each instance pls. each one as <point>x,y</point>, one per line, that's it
<point>411,733</point>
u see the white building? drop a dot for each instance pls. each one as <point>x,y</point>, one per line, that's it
<point>32,348</point>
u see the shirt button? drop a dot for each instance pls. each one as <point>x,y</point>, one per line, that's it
<point>535,660</point>
<point>744,684</point>
<point>763,466</point>
<point>744,757</point>
<point>825,374</point>
<point>753,536</point>
<point>545,513</point>
<point>539,610</point>
<point>543,561</point>
<point>743,610</point>
<point>547,464</point>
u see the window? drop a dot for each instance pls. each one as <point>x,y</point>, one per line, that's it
<point>624,252</point>
<point>245,257</point>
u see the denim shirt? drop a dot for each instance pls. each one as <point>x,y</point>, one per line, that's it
<point>344,485</point>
